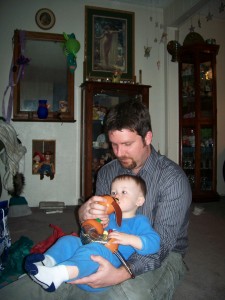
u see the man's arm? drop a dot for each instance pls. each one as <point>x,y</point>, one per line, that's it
<point>106,275</point>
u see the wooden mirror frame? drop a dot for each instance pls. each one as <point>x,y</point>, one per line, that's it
<point>31,116</point>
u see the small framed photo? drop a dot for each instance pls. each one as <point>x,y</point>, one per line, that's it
<point>109,42</point>
<point>45,18</point>
<point>43,158</point>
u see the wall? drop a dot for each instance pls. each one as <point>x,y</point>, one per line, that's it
<point>70,18</point>
<point>163,94</point>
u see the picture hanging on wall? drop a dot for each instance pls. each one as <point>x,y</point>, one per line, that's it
<point>43,158</point>
<point>109,43</point>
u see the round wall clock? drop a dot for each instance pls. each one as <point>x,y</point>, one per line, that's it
<point>45,18</point>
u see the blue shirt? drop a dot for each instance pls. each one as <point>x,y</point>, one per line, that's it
<point>167,205</point>
<point>140,226</point>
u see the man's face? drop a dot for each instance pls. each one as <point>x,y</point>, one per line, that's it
<point>129,148</point>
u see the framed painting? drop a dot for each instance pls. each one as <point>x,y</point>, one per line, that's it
<point>109,43</point>
<point>43,158</point>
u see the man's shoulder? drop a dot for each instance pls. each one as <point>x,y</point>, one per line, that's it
<point>167,164</point>
<point>159,162</point>
<point>110,166</point>
<point>165,170</point>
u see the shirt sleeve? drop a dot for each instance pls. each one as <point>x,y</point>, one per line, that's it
<point>149,237</point>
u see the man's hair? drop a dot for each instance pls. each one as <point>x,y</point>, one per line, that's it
<point>132,115</point>
<point>138,180</point>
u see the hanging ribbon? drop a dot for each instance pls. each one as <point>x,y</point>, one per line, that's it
<point>22,61</point>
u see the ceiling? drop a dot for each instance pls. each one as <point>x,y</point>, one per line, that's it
<point>202,7</point>
<point>153,3</point>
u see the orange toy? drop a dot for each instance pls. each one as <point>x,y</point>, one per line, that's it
<point>92,224</point>
<point>93,227</point>
<point>112,206</point>
<point>112,247</point>
<point>109,204</point>
<point>92,230</point>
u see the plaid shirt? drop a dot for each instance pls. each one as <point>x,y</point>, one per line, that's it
<point>167,205</point>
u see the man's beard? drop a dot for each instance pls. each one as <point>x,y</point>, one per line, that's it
<point>129,166</point>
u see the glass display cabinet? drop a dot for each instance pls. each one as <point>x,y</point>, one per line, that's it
<point>97,99</point>
<point>198,118</point>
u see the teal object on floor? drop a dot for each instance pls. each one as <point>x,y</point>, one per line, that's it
<point>14,265</point>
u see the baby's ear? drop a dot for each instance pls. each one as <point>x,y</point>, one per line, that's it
<point>140,201</point>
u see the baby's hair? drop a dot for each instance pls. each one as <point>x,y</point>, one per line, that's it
<point>138,180</point>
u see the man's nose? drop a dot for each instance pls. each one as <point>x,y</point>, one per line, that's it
<point>119,151</point>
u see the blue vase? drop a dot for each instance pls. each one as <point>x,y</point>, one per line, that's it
<point>42,111</point>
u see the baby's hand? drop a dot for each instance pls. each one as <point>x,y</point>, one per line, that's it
<point>120,237</point>
<point>126,239</point>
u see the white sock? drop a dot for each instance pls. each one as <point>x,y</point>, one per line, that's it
<point>47,276</point>
<point>49,261</point>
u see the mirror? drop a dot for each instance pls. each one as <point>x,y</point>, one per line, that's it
<point>41,73</point>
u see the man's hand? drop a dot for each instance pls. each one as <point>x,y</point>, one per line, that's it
<point>106,275</point>
<point>93,210</point>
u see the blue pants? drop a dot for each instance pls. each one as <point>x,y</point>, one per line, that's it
<point>69,251</point>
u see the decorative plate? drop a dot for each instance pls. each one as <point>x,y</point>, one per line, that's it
<point>45,18</point>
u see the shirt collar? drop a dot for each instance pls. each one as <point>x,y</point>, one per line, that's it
<point>149,165</point>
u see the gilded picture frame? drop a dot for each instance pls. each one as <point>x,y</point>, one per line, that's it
<point>109,43</point>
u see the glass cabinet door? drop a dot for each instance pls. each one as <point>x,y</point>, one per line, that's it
<point>101,150</point>
<point>197,109</point>
<point>188,154</point>
<point>206,88</point>
<point>188,91</point>
<point>206,158</point>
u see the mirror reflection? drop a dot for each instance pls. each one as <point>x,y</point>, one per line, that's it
<point>44,77</point>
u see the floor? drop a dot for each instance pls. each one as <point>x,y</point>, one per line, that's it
<point>205,258</point>
<point>206,255</point>
<point>36,225</point>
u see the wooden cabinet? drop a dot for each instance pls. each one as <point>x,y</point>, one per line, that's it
<point>198,118</point>
<point>97,99</point>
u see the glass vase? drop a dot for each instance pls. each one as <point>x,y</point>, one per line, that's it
<point>42,111</point>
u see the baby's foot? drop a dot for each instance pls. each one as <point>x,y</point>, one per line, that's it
<point>50,278</point>
<point>45,282</point>
<point>32,261</point>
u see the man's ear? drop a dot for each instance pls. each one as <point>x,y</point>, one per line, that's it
<point>140,201</point>
<point>148,138</point>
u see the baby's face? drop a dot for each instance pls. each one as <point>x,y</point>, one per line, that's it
<point>127,193</point>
